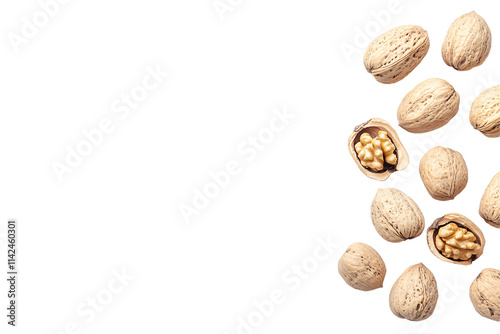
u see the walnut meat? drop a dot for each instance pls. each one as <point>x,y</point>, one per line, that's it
<point>489,209</point>
<point>454,238</point>
<point>362,267</point>
<point>467,43</point>
<point>484,294</point>
<point>377,150</point>
<point>444,173</point>
<point>414,295</point>
<point>456,242</point>
<point>374,152</point>
<point>396,216</point>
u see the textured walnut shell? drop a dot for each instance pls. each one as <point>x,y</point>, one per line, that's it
<point>394,54</point>
<point>428,106</point>
<point>396,216</point>
<point>485,112</point>
<point>461,221</point>
<point>484,294</point>
<point>372,127</point>
<point>362,267</point>
<point>467,43</point>
<point>414,295</point>
<point>489,209</point>
<point>444,173</point>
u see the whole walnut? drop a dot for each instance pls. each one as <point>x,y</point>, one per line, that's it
<point>428,106</point>
<point>489,209</point>
<point>444,173</point>
<point>467,43</point>
<point>393,55</point>
<point>484,294</point>
<point>485,112</point>
<point>362,267</point>
<point>396,216</point>
<point>414,295</point>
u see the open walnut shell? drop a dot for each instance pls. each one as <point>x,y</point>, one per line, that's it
<point>372,127</point>
<point>464,247</point>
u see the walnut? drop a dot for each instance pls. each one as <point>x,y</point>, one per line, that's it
<point>489,208</point>
<point>468,42</point>
<point>415,294</point>
<point>485,112</point>
<point>394,54</point>
<point>484,294</point>
<point>362,267</point>
<point>456,242</point>
<point>454,238</point>
<point>444,173</point>
<point>428,106</point>
<point>372,152</point>
<point>380,166</point>
<point>396,216</point>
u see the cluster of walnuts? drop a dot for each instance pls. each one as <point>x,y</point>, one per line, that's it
<point>378,152</point>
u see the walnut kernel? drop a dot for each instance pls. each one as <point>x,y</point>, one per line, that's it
<point>372,152</point>
<point>456,242</point>
<point>460,235</point>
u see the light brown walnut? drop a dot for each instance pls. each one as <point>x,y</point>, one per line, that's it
<point>489,208</point>
<point>484,294</point>
<point>485,112</point>
<point>415,294</point>
<point>394,54</point>
<point>395,216</point>
<point>362,267</point>
<point>468,42</point>
<point>444,173</point>
<point>428,106</point>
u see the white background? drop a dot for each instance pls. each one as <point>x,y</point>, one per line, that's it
<point>120,207</point>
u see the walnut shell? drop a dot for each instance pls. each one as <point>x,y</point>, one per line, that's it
<point>414,295</point>
<point>428,106</point>
<point>362,267</point>
<point>396,216</point>
<point>444,173</point>
<point>467,43</point>
<point>489,209</point>
<point>372,127</point>
<point>461,221</point>
<point>484,294</point>
<point>394,54</point>
<point>485,112</point>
